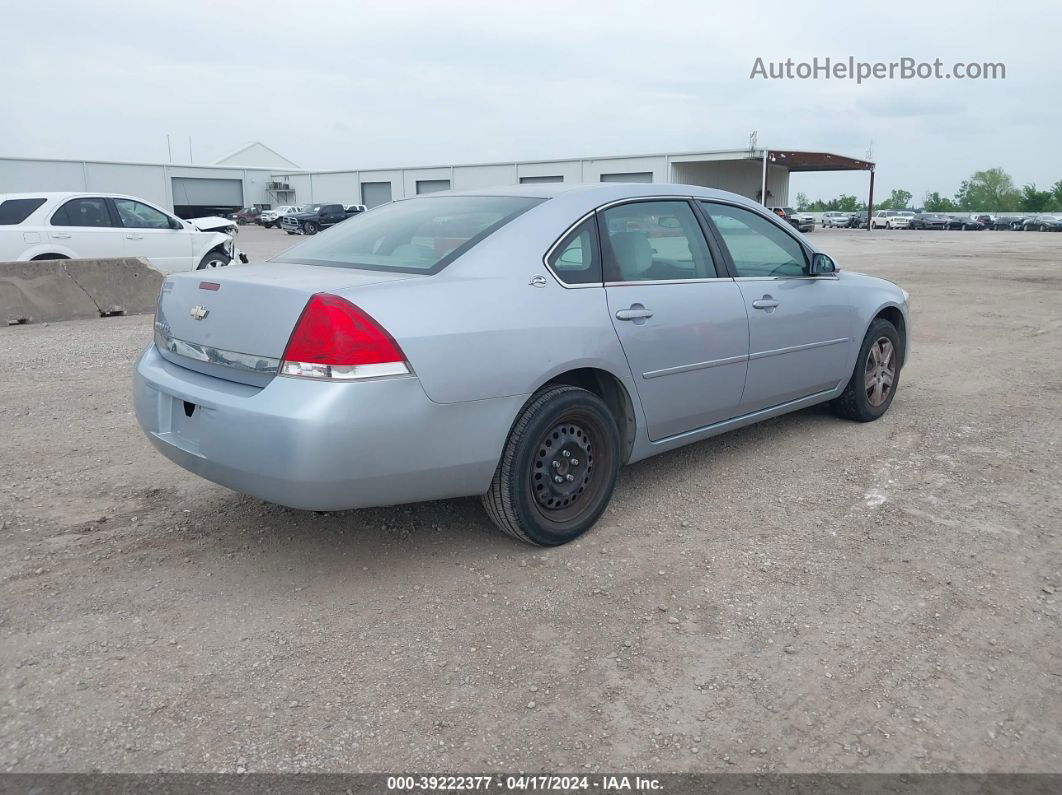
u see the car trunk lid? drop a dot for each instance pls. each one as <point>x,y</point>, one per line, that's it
<point>235,323</point>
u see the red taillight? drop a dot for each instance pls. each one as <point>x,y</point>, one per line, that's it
<point>335,339</point>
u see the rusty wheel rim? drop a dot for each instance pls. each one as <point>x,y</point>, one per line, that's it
<point>880,371</point>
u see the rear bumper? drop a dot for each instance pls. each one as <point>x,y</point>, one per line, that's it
<point>321,446</point>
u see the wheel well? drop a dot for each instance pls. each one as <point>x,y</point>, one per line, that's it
<point>609,388</point>
<point>49,256</point>
<point>895,316</point>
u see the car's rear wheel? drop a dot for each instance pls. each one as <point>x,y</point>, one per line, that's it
<point>873,384</point>
<point>558,469</point>
<point>214,259</point>
<point>49,256</point>
<point>309,228</point>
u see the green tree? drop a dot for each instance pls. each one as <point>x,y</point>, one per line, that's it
<point>802,202</point>
<point>935,203</point>
<point>1056,191</point>
<point>1035,201</point>
<point>847,203</point>
<point>991,191</point>
<point>899,199</point>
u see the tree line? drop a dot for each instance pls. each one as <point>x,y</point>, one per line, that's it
<point>991,190</point>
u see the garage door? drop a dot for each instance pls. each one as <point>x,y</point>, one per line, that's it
<point>432,185</point>
<point>373,194</point>
<point>201,192</point>
<point>631,176</point>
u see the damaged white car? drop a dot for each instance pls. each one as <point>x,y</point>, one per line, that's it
<point>39,226</point>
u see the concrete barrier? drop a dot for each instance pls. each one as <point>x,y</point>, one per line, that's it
<point>71,289</point>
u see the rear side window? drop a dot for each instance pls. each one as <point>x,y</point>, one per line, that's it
<point>421,235</point>
<point>89,211</point>
<point>576,260</point>
<point>15,211</point>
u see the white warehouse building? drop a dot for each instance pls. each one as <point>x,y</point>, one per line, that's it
<point>256,175</point>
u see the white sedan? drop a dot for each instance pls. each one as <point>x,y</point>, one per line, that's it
<point>39,226</point>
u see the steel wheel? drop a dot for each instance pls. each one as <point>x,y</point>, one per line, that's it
<point>562,473</point>
<point>880,371</point>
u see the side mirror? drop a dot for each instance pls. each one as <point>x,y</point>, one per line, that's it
<point>821,265</point>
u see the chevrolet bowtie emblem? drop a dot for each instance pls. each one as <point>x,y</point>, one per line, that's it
<point>199,312</point>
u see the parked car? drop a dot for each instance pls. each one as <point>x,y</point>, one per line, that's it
<point>964,223</point>
<point>859,220</point>
<point>391,360</point>
<point>39,226</point>
<point>789,214</point>
<point>986,220</point>
<point>928,221</point>
<point>248,215</point>
<point>835,218</point>
<point>312,218</point>
<point>271,218</point>
<point>354,209</point>
<point>1009,223</point>
<point>1050,222</point>
<point>806,222</point>
<point>880,219</point>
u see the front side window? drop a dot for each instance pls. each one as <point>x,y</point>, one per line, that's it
<point>137,215</point>
<point>421,235</point>
<point>757,245</point>
<point>15,211</point>
<point>655,241</point>
<point>576,259</point>
<point>89,211</point>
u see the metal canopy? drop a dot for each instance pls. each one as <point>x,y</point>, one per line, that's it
<point>816,161</point>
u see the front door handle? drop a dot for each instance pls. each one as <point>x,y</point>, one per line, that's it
<point>134,237</point>
<point>766,302</point>
<point>61,235</point>
<point>637,313</point>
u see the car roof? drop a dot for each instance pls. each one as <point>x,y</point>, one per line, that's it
<point>66,194</point>
<point>600,192</point>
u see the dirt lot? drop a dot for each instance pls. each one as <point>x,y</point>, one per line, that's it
<point>809,594</point>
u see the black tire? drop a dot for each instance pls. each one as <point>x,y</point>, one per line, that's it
<point>213,259</point>
<point>309,228</point>
<point>40,257</point>
<point>557,424</point>
<point>855,403</point>
<point>289,231</point>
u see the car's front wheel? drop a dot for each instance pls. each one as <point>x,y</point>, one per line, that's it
<point>214,259</point>
<point>871,388</point>
<point>558,468</point>
<point>309,228</point>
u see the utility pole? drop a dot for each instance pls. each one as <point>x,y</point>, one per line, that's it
<point>190,160</point>
<point>169,149</point>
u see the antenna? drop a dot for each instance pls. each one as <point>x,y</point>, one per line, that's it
<point>752,140</point>
<point>870,150</point>
<point>169,149</point>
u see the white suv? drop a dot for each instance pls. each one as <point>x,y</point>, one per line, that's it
<point>270,218</point>
<point>37,226</point>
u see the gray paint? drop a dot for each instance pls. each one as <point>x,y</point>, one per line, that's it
<point>481,340</point>
<point>203,191</point>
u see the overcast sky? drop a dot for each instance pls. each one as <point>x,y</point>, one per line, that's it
<point>392,83</point>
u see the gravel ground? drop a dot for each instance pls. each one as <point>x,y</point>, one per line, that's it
<point>804,595</point>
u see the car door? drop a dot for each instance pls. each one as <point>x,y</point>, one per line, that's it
<point>332,214</point>
<point>150,233</point>
<point>682,323</point>
<point>800,326</point>
<point>87,226</point>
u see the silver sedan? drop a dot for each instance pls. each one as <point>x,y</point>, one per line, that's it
<point>519,344</point>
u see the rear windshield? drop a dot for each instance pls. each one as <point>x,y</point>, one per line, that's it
<point>421,235</point>
<point>15,211</point>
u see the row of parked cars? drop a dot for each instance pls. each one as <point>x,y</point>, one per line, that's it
<point>301,219</point>
<point>914,219</point>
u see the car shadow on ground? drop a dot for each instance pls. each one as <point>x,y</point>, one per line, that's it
<point>460,526</point>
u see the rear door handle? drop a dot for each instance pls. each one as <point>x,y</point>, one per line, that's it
<point>635,313</point>
<point>134,237</point>
<point>764,303</point>
<point>61,235</point>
